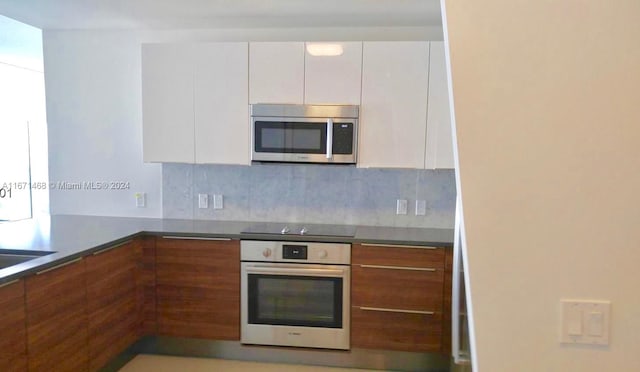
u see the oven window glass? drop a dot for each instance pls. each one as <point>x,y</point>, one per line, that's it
<point>295,301</point>
<point>290,137</point>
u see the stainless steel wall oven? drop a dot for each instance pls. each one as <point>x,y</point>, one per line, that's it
<point>295,294</point>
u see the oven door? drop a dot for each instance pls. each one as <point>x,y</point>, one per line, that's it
<point>295,305</point>
<point>314,140</point>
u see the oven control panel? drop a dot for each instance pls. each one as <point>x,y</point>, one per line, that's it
<point>294,252</point>
<point>301,252</point>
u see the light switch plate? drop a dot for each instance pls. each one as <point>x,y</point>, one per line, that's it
<point>421,207</point>
<point>585,322</point>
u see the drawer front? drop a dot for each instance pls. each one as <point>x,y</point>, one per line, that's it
<point>385,330</point>
<point>397,288</point>
<point>397,256</point>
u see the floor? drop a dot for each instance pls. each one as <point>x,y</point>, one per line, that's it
<point>160,363</point>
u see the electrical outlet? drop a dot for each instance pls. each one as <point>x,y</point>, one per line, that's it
<point>203,201</point>
<point>421,207</point>
<point>218,201</point>
<point>141,199</point>
<point>401,206</point>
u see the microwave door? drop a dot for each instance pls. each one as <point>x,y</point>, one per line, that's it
<point>301,141</point>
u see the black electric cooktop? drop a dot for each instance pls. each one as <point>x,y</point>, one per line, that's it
<point>308,229</point>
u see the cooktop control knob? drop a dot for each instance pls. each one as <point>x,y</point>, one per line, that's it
<point>267,252</point>
<point>322,253</point>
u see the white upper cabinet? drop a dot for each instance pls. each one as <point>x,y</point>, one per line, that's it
<point>195,96</point>
<point>167,103</point>
<point>194,99</point>
<point>276,72</point>
<point>439,152</point>
<point>334,79</point>
<point>393,113</point>
<point>221,93</point>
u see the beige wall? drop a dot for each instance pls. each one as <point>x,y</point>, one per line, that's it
<point>547,107</point>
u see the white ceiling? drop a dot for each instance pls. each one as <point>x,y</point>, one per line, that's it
<point>201,14</point>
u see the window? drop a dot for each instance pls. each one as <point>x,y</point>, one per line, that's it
<point>23,131</point>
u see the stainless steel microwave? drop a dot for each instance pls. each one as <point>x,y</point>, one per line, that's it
<point>304,133</point>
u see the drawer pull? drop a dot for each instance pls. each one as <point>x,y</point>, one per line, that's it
<point>59,266</point>
<point>111,248</point>
<point>398,246</point>
<point>430,269</point>
<point>195,238</point>
<point>9,283</point>
<point>382,309</point>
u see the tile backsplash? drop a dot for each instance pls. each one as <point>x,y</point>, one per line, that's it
<point>334,194</point>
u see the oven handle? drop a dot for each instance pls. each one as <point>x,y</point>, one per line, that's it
<point>329,138</point>
<point>290,271</point>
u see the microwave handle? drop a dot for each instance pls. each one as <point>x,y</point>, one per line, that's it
<point>329,138</point>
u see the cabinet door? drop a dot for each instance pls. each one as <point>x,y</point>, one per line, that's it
<point>114,312</point>
<point>276,72</point>
<point>57,319</point>
<point>167,103</point>
<point>148,285</point>
<point>439,152</point>
<point>393,115</point>
<point>198,288</point>
<point>13,343</point>
<point>334,79</point>
<point>446,307</point>
<point>221,94</point>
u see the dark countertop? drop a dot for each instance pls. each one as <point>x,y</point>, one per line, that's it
<point>72,236</point>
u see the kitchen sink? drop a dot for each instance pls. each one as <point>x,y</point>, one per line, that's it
<point>13,257</point>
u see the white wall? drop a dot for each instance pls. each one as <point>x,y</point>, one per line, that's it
<point>94,107</point>
<point>547,115</point>
<point>95,123</point>
<point>22,105</point>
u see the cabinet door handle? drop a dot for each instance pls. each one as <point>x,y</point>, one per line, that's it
<point>9,283</point>
<point>111,248</point>
<point>403,311</point>
<point>195,238</point>
<point>398,246</point>
<point>59,266</point>
<point>430,269</point>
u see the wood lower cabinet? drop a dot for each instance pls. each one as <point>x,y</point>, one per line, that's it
<point>446,314</point>
<point>114,301</point>
<point>13,331</point>
<point>147,282</point>
<point>198,288</point>
<point>57,333</point>
<point>398,298</point>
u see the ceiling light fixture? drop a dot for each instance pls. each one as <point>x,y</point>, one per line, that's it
<point>324,49</point>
